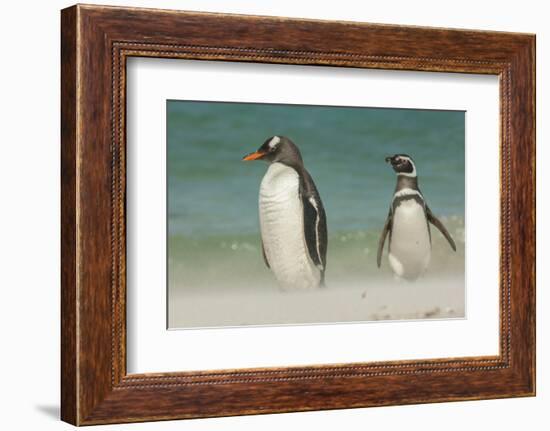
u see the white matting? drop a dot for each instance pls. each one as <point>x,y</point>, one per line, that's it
<point>152,348</point>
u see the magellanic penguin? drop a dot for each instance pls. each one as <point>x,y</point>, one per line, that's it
<point>292,218</point>
<point>409,248</point>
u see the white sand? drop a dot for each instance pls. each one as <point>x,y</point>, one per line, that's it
<point>382,299</point>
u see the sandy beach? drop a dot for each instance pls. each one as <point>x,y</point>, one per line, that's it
<point>430,298</point>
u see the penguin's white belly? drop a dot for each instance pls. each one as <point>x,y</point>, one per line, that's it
<point>410,247</point>
<point>282,229</point>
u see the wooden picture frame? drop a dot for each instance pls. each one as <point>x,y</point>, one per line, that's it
<point>95,43</point>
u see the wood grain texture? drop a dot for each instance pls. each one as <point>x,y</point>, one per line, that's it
<point>69,367</point>
<point>96,41</point>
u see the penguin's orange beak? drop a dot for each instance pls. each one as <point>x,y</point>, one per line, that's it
<point>254,156</point>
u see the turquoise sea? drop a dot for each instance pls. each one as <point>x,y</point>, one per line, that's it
<point>213,196</point>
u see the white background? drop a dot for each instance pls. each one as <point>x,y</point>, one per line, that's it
<point>152,349</point>
<point>29,220</point>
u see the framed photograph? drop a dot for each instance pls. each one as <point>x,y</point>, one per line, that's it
<point>265,214</point>
<point>317,213</point>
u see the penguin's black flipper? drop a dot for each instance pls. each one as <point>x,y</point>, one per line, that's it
<point>382,240</point>
<point>263,254</point>
<point>437,223</point>
<point>315,223</point>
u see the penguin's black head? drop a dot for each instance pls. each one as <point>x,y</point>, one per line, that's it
<point>277,149</point>
<point>402,164</point>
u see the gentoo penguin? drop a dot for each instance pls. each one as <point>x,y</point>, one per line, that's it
<point>409,248</point>
<point>292,218</point>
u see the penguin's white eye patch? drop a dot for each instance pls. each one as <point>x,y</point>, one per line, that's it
<point>274,142</point>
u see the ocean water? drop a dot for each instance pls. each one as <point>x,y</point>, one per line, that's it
<point>213,227</point>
